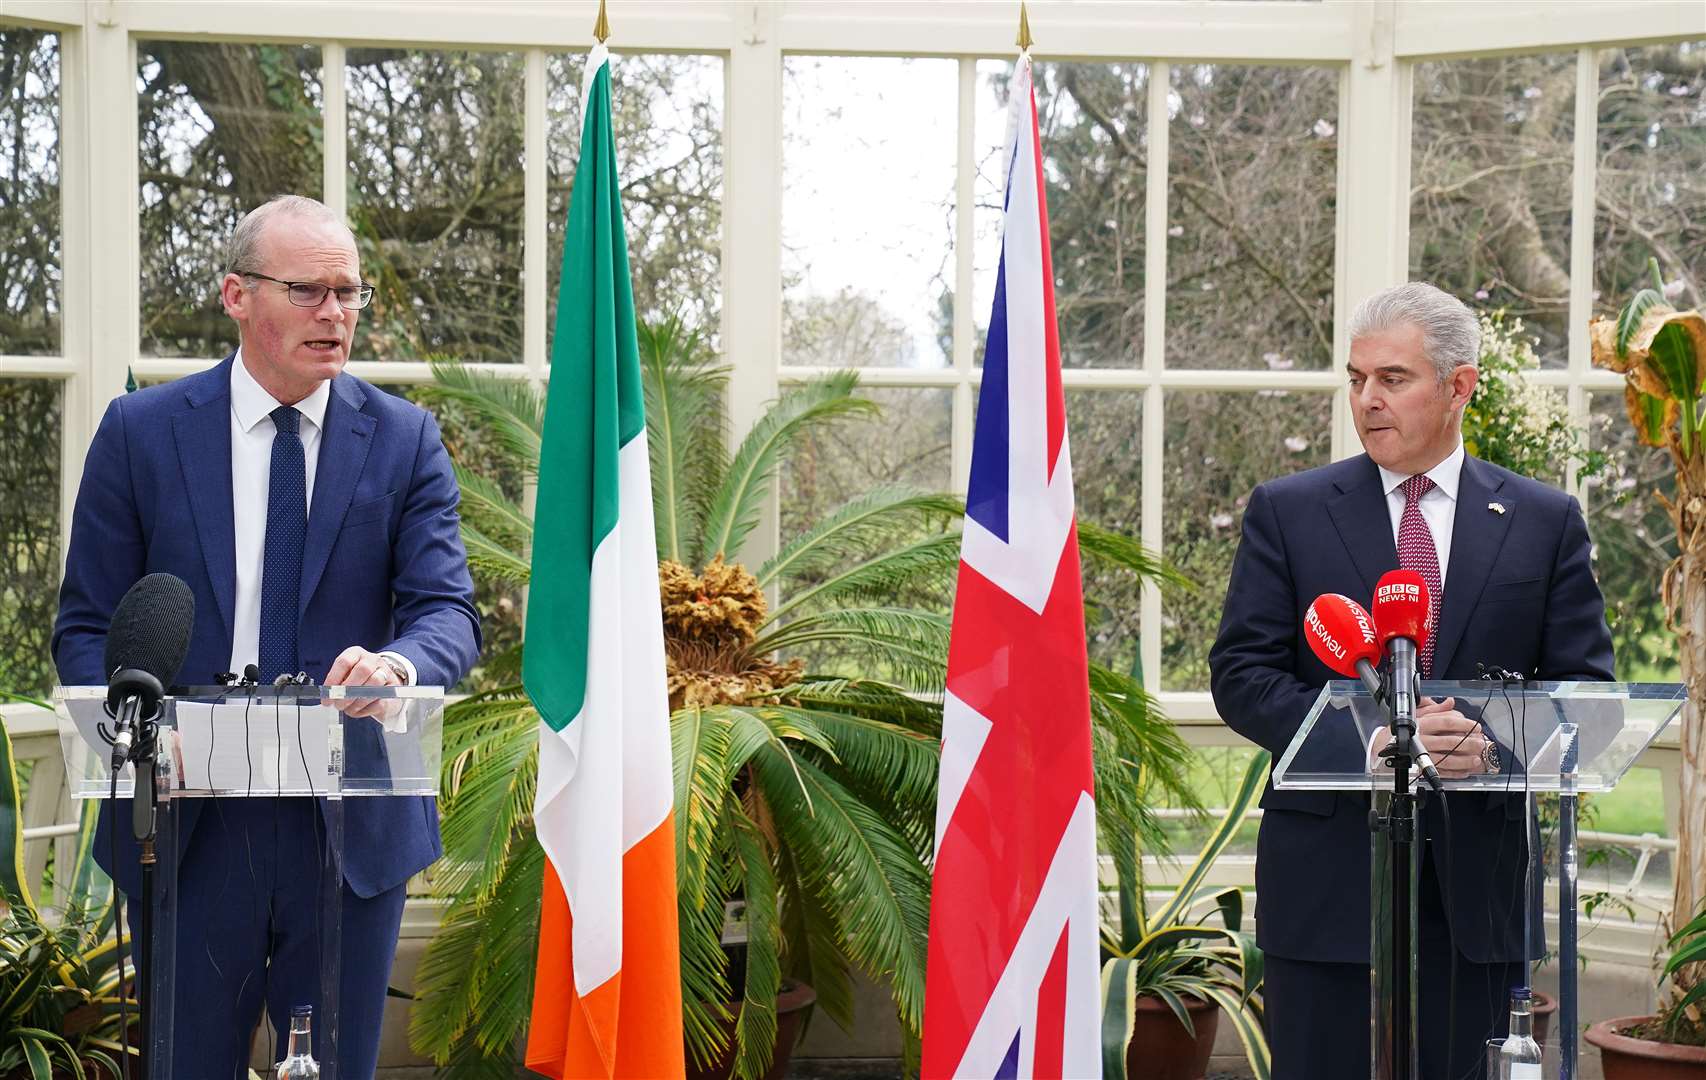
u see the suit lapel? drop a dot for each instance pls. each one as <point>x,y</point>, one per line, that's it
<point>344,444</point>
<point>1477,534</point>
<point>203,437</point>
<point>1365,525</point>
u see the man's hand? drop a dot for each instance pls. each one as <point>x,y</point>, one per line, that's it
<point>355,666</point>
<point>1453,740</point>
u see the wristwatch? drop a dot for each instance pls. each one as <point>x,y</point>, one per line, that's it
<point>396,667</point>
<point>1490,756</point>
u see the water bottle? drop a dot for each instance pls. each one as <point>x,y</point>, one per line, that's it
<point>299,1063</point>
<point>1519,1056</point>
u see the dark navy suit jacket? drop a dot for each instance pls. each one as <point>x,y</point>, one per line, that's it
<point>383,567</point>
<point>1519,594</point>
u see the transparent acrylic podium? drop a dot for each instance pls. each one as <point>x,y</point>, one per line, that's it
<point>1567,738</point>
<point>327,743</point>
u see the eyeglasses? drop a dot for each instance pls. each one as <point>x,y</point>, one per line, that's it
<point>311,294</point>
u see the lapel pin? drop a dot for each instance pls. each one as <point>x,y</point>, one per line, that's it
<point>1496,507</point>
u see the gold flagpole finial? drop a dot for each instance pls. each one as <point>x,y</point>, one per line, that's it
<point>601,29</point>
<point>1024,39</point>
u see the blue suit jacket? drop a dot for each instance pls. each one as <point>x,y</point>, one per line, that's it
<point>383,567</point>
<point>1519,594</point>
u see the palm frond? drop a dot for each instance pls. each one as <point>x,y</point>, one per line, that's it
<point>902,762</point>
<point>488,802</point>
<point>684,432</point>
<point>491,560</point>
<point>813,945</point>
<point>512,409</point>
<point>869,697</point>
<point>850,528</point>
<point>494,514</point>
<point>1116,549</point>
<point>755,1026</point>
<point>902,643</point>
<point>699,742</point>
<point>735,508</point>
<point>933,560</point>
<point>866,874</point>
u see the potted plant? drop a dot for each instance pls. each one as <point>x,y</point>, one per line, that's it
<point>59,975</point>
<point>1671,1045</point>
<point>1168,974</point>
<point>1662,355</point>
<point>804,795</point>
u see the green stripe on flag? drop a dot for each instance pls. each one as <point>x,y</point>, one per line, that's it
<point>593,407</point>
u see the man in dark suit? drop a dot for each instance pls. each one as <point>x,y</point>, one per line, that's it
<point>314,518</point>
<point>1510,569</point>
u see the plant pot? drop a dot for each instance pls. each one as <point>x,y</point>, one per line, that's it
<point>1545,1005</point>
<point>1161,1048</point>
<point>1627,1058</point>
<point>791,1005</point>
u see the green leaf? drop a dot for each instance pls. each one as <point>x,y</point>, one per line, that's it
<point>1119,1014</point>
<point>932,561</point>
<point>684,432</point>
<point>12,882</point>
<point>510,407</point>
<point>1116,549</point>
<point>734,510</point>
<point>491,560</point>
<point>853,528</point>
<point>1630,318</point>
<point>1247,1022</point>
<point>755,1026</point>
<point>1229,824</point>
<point>492,513</point>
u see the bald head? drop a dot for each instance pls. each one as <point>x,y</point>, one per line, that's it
<point>246,252</point>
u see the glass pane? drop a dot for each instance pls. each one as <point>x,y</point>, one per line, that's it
<point>1490,167</point>
<point>1651,196</point>
<point>1219,447</point>
<point>1633,540</point>
<point>224,128</point>
<point>908,443</point>
<point>29,531</point>
<point>29,180</point>
<point>668,117</point>
<point>436,186</point>
<point>1092,118</point>
<point>1252,164</point>
<point>1106,429</point>
<point>868,168</point>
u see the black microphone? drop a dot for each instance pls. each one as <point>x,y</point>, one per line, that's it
<point>146,645</point>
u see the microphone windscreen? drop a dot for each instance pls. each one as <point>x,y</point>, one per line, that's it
<point>1402,608</point>
<point>151,628</point>
<point>1340,632</point>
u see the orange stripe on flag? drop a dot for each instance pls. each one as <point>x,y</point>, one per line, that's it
<point>581,1037</point>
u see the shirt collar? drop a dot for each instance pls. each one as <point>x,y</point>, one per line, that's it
<point>252,404</point>
<point>1445,475</point>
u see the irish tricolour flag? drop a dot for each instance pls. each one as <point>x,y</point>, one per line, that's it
<point>607,995</point>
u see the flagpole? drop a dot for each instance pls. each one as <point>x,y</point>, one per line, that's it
<point>601,29</point>
<point>1023,40</point>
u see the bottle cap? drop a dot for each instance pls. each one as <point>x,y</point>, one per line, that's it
<point>1520,993</point>
<point>302,1010</point>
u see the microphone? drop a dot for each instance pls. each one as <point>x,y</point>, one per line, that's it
<point>1403,613</point>
<point>1342,636</point>
<point>147,641</point>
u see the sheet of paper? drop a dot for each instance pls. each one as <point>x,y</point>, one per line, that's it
<point>245,748</point>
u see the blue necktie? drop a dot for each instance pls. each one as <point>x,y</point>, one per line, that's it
<point>281,566</point>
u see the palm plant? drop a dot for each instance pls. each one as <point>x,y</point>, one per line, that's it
<point>1173,954</point>
<point>808,795</point>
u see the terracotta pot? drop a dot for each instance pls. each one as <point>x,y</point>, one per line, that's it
<point>791,1006</point>
<point>1627,1058</point>
<point>1161,1048</point>
<point>1545,1006</point>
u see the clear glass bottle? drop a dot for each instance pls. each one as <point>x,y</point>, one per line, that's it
<point>299,1063</point>
<point>1519,1057</point>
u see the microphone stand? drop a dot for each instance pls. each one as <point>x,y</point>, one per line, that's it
<point>1399,822</point>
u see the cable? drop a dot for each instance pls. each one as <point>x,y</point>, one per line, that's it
<point>118,931</point>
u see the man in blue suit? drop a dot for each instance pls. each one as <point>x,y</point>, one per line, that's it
<point>314,518</point>
<point>1511,565</point>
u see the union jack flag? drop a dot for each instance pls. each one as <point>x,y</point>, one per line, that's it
<point>1013,979</point>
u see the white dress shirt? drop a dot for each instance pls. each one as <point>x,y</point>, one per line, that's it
<point>1438,506</point>
<point>252,432</point>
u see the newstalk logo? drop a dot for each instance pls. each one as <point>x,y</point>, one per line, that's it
<point>1312,623</point>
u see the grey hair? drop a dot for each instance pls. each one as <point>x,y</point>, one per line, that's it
<point>1451,334</point>
<point>243,253</point>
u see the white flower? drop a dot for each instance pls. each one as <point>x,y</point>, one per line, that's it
<point>1278,361</point>
<point>1482,294</point>
<point>1680,90</point>
<point>1324,129</point>
<point>1176,230</point>
<point>1531,92</point>
<point>1220,521</point>
<point>1208,459</point>
<point>1198,120</point>
<point>1273,393</point>
<point>1297,444</point>
<point>1208,286</point>
<point>1673,289</point>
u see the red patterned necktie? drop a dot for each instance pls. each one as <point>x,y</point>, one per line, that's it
<point>1416,552</point>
